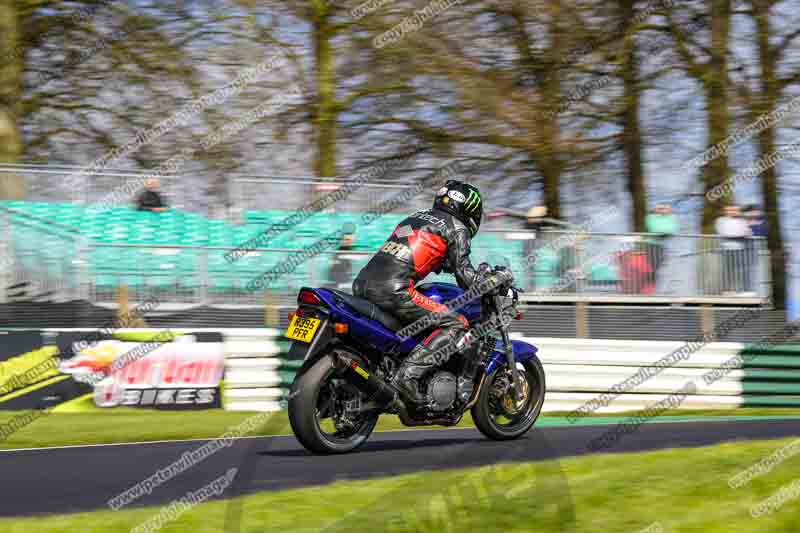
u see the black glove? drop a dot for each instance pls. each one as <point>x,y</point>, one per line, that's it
<point>485,273</point>
<point>505,274</point>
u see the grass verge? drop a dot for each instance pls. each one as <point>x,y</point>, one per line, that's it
<point>680,490</point>
<point>83,423</point>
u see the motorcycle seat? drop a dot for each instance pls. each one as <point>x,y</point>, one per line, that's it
<point>369,309</point>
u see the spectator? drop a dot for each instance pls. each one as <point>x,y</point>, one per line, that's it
<point>758,228</point>
<point>734,232</point>
<point>663,223</point>
<point>572,269</point>
<point>341,271</point>
<point>150,199</point>
<point>756,221</point>
<point>636,272</point>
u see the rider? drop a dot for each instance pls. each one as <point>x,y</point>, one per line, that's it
<point>428,241</point>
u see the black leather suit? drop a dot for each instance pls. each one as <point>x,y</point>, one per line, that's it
<point>427,241</point>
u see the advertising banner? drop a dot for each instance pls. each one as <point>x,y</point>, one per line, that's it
<point>166,371</point>
<point>14,343</point>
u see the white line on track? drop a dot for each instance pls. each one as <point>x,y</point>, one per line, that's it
<point>207,439</point>
<point>70,446</point>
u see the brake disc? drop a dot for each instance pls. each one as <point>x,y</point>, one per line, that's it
<point>512,406</point>
<point>502,397</point>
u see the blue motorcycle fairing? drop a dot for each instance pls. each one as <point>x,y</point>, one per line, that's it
<point>522,352</point>
<point>379,336</point>
<point>441,293</point>
<point>370,331</point>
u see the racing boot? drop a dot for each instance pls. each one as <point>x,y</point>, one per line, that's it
<point>434,351</point>
<point>466,381</point>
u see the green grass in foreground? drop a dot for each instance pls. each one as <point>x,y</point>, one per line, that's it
<point>92,425</point>
<point>684,490</point>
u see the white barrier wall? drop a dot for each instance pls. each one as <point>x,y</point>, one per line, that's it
<point>615,375</point>
<point>577,371</point>
<point>252,370</point>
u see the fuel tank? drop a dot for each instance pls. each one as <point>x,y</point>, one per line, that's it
<point>444,292</point>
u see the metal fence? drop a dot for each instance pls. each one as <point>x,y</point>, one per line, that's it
<point>563,265</point>
<point>64,183</point>
<point>196,274</point>
<point>40,259</point>
<point>67,183</point>
<point>556,266</point>
<point>293,194</point>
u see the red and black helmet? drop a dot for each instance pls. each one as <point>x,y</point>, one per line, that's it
<point>463,201</point>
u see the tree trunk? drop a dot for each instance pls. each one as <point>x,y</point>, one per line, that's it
<point>325,123</point>
<point>716,89</point>
<point>769,188</point>
<point>551,165</point>
<point>632,135</point>
<point>12,186</point>
<point>764,103</point>
<point>545,155</point>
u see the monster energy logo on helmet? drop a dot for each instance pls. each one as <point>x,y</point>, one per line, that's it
<point>463,201</point>
<point>473,201</point>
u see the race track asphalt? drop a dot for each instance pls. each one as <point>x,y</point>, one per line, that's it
<point>72,479</point>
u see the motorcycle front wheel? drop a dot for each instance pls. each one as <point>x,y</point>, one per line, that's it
<point>320,411</point>
<point>498,414</point>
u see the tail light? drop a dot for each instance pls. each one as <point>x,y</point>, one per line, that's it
<point>308,297</point>
<point>301,312</point>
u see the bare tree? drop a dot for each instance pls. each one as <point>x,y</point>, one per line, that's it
<point>706,61</point>
<point>763,87</point>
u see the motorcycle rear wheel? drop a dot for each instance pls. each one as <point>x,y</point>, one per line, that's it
<point>312,402</point>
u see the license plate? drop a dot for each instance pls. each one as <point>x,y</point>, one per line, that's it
<point>302,329</point>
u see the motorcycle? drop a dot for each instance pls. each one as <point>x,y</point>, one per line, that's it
<point>351,351</point>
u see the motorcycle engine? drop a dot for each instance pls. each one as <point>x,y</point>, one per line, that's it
<point>442,388</point>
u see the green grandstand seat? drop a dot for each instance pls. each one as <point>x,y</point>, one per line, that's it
<point>221,284</point>
<point>603,273</point>
<point>163,268</point>
<point>161,280</point>
<point>133,281</point>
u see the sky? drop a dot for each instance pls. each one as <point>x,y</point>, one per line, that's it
<point>675,99</point>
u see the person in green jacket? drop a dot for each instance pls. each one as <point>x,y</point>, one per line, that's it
<point>663,223</point>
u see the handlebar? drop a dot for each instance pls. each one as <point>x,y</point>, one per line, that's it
<point>506,280</point>
<point>505,288</point>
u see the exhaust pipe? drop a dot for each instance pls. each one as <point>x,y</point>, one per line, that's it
<point>407,420</point>
<point>373,387</point>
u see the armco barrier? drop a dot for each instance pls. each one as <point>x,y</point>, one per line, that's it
<point>258,373</point>
<point>726,374</point>
<point>578,371</point>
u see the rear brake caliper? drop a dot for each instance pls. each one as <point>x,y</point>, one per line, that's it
<point>347,409</point>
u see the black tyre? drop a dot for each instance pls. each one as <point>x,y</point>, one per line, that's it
<point>314,403</point>
<point>497,414</point>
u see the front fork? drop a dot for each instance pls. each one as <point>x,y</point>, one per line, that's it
<point>512,365</point>
<point>511,361</point>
